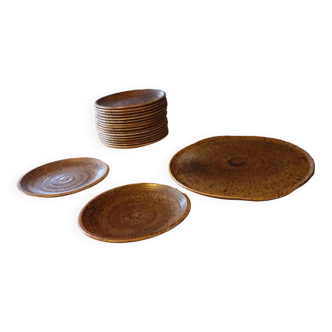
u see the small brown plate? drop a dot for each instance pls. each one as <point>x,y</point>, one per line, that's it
<point>134,118</point>
<point>130,99</point>
<point>132,134</point>
<point>130,111</point>
<point>130,126</point>
<point>133,212</point>
<point>242,167</point>
<point>63,177</point>
<point>132,145</point>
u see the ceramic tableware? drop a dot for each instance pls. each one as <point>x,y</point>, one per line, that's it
<point>133,212</point>
<point>242,167</point>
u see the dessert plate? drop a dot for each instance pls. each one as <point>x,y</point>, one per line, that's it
<point>63,177</point>
<point>138,143</point>
<point>133,212</point>
<point>242,167</point>
<point>131,111</point>
<point>130,99</point>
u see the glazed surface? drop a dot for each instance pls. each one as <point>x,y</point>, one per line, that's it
<point>134,212</point>
<point>242,167</point>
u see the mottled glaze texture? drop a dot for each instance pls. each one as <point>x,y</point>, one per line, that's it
<point>242,167</point>
<point>63,177</point>
<point>133,212</point>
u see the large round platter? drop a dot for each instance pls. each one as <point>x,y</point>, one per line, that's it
<point>133,212</point>
<point>242,167</point>
<point>130,99</point>
<point>63,177</point>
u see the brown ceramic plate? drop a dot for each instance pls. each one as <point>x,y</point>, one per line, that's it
<point>132,145</point>
<point>126,128</point>
<point>131,118</point>
<point>242,167</point>
<point>110,111</point>
<point>135,135</point>
<point>63,177</point>
<point>133,212</point>
<point>145,120</point>
<point>130,99</point>
<point>138,132</point>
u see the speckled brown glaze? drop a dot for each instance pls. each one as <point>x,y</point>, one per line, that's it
<point>131,119</point>
<point>242,167</point>
<point>63,177</point>
<point>133,212</point>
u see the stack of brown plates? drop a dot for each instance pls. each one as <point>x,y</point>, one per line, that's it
<point>131,119</point>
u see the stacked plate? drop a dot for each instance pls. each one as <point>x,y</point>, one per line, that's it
<point>131,119</point>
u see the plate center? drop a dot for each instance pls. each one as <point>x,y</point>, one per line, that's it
<point>236,161</point>
<point>134,214</point>
<point>62,179</point>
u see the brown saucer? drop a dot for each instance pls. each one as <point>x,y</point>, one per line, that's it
<point>242,167</point>
<point>131,111</point>
<point>133,212</point>
<point>130,99</point>
<point>63,177</point>
<point>132,145</point>
<point>135,118</point>
<point>131,125</point>
<point>134,133</point>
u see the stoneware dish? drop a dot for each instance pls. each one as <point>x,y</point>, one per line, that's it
<point>131,111</point>
<point>129,128</point>
<point>135,133</point>
<point>129,139</point>
<point>242,167</point>
<point>133,212</point>
<point>63,177</point>
<point>136,144</point>
<point>130,99</point>
<point>134,118</point>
